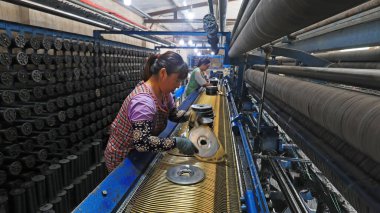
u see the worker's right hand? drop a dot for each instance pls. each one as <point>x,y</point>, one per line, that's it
<point>185,146</point>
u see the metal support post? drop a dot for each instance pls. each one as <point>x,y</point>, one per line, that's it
<point>268,51</point>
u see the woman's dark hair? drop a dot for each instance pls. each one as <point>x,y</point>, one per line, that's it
<point>172,61</point>
<point>203,61</point>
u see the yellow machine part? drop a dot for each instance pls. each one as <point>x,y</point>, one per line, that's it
<point>218,192</point>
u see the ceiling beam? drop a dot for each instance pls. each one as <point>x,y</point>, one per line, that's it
<point>171,10</point>
<point>179,20</point>
<point>161,12</point>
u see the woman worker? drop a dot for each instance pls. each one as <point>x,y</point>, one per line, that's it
<point>144,113</point>
<point>197,77</point>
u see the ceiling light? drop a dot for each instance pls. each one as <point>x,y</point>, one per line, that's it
<point>190,15</point>
<point>184,3</point>
<point>127,2</point>
<point>181,42</point>
<point>195,50</point>
<point>212,53</point>
<point>198,53</point>
<point>190,43</point>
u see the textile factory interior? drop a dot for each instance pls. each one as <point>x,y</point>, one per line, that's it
<point>287,119</point>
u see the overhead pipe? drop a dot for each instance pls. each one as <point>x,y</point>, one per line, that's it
<point>251,6</point>
<point>243,6</point>
<point>353,117</point>
<point>369,55</point>
<point>346,14</point>
<point>270,21</point>
<point>369,78</point>
<point>358,65</point>
<point>222,14</point>
<point>211,7</point>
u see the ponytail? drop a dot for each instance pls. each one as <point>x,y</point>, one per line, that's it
<point>149,65</point>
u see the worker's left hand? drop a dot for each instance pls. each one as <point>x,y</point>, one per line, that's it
<point>179,116</point>
<point>183,116</point>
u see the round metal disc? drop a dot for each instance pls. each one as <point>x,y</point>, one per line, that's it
<point>6,79</point>
<point>26,128</point>
<point>205,140</point>
<point>22,58</point>
<point>20,41</point>
<point>201,107</point>
<point>36,76</point>
<point>185,174</point>
<point>8,97</point>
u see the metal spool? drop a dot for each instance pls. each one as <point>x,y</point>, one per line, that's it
<point>50,90</point>
<point>214,81</point>
<point>5,59</point>
<point>36,76</point>
<point>24,95</point>
<point>5,41</point>
<point>19,41</point>
<point>201,107</point>
<point>90,47</point>
<point>6,79</point>
<point>26,129</point>
<point>67,45</point>
<point>48,74</point>
<point>22,76</point>
<point>38,92</point>
<point>41,139</point>
<point>29,161</point>
<point>12,150</point>
<point>60,101</point>
<point>68,59</point>
<point>10,134</point>
<point>60,88</point>
<point>47,59</point>
<point>35,42</point>
<point>42,154</point>
<point>47,43</point>
<point>39,124</point>
<point>185,175</point>
<point>75,46</point>
<point>69,86</point>
<point>15,168</point>
<point>205,140</point>
<point>24,112</point>
<point>51,121</point>
<point>7,97</point>
<point>38,109</point>
<point>50,106</point>
<point>36,58</point>
<point>52,134</point>
<point>58,44</point>
<point>211,90</point>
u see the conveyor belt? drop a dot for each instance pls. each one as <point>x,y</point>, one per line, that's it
<point>218,192</point>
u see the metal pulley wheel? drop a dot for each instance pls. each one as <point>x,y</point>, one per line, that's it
<point>6,79</point>
<point>205,140</point>
<point>20,41</point>
<point>201,107</point>
<point>5,59</point>
<point>22,58</point>
<point>36,58</point>
<point>185,174</point>
<point>36,76</point>
<point>5,41</point>
<point>35,42</point>
<point>58,44</point>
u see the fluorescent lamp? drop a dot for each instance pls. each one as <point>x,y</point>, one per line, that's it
<point>181,42</point>
<point>127,2</point>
